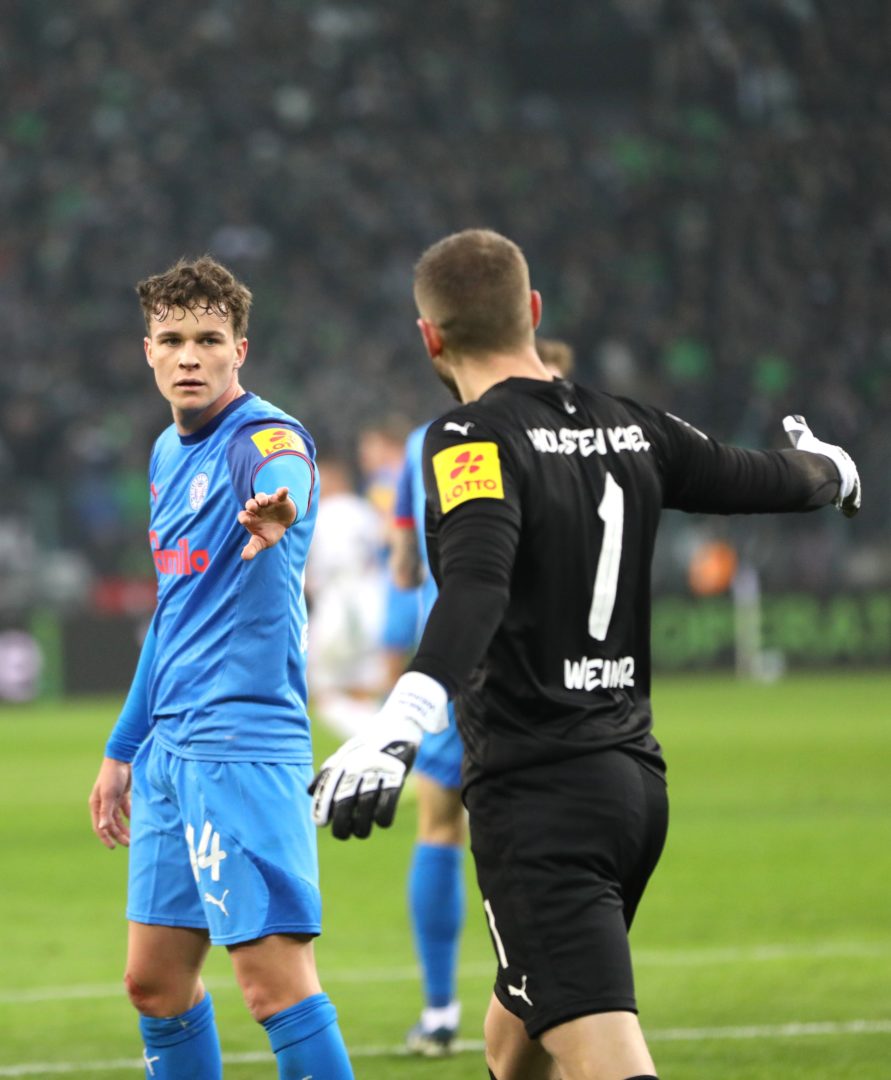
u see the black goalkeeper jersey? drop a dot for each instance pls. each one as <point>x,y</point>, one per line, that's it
<point>543,501</point>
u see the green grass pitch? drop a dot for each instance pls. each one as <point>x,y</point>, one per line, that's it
<point>762,948</point>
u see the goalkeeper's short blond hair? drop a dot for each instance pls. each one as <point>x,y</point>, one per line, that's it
<point>474,287</point>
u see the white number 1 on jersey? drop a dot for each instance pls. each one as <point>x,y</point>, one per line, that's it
<point>611,512</point>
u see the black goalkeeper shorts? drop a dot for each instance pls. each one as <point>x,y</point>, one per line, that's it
<point>563,852</point>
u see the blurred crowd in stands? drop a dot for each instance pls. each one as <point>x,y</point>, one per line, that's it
<point>702,188</point>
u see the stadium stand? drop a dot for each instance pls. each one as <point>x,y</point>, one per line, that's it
<point>702,191</point>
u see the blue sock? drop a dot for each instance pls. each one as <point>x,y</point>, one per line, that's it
<point>183,1047</point>
<point>307,1042</point>
<point>436,904</point>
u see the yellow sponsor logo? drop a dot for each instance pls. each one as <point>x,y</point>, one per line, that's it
<point>272,440</point>
<point>469,471</point>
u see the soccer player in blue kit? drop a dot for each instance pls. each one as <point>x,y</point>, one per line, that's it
<point>436,895</point>
<point>213,738</point>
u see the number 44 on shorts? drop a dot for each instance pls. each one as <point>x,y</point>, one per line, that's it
<point>209,854</point>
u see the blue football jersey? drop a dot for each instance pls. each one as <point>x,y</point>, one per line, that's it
<point>439,756</point>
<point>228,678</point>
<point>410,505</point>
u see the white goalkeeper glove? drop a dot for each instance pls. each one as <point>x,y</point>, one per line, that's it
<point>802,438</point>
<point>360,784</point>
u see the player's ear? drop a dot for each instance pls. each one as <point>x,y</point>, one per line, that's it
<point>535,307</point>
<point>432,338</point>
<point>241,348</point>
<point>147,345</point>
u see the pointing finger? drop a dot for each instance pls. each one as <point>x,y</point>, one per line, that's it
<point>252,548</point>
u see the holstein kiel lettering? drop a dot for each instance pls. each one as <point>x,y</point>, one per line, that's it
<point>471,471</point>
<point>588,441</point>
<point>179,559</point>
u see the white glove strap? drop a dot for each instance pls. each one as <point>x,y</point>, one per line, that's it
<point>419,698</point>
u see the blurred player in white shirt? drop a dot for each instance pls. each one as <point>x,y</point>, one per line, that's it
<point>345,583</point>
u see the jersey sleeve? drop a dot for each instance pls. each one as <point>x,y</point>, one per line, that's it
<point>701,475</point>
<point>469,465</point>
<point>264,456</point>
<point>403,511</point>
<point>153,459</point>
<point>474,517</point>
<point>134,721</point>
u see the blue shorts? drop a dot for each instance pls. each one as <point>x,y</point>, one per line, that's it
<point>226,846</point>
<point>439,756</point>
<point>402,614</point>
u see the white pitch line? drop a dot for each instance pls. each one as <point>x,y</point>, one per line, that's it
<point>756,954</point>
<point>463,1046</point>
<point>705,957</point>
<point>773,1031</point>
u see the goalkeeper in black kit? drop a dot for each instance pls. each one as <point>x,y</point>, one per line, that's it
<point>543,500</point>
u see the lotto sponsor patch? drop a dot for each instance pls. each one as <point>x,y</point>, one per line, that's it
<point>275,439</point>
<point>468,471</point>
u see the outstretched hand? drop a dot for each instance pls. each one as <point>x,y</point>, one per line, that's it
<point>359,785</point>
<point>802,438</point>
<point>266,518</point>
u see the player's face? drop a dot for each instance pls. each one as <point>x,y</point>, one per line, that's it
<point>196,358</point>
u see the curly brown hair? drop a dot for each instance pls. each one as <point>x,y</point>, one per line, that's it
<point>201,284</point>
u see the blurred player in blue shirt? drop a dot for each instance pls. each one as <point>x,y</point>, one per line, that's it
<point>436,876</point>
<point>213,740</point>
